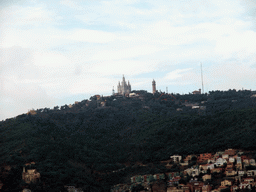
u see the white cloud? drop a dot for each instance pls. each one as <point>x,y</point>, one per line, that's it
<point>50,59</point>
<point>71,4</point>
<point>230,75</point>
<point>21,16</point>
<point>93,36</point>
<point>242,43</point>
<point>91,84</point>
<point>118,67</point>
<point>126,53</point>
<point>176,74</point>
<point>18,97</point>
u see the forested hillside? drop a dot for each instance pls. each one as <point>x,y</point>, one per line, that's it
<point>85,144</point>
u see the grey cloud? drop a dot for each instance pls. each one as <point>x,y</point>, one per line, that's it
<point>20,88</point>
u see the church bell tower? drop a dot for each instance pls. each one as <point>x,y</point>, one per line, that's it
<point>153,87</point>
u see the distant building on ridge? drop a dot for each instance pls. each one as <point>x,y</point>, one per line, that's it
<point>197,92</point>
<point>123,88</point>
<point>153,87</point>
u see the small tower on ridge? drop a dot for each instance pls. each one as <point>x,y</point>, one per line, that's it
<point>153,87</point>
<point>113,91</point>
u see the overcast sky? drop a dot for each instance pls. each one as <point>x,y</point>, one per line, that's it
<point>61,51</point>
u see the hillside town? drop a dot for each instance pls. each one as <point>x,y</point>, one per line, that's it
<point>134,142</point>
<point>229,170</point>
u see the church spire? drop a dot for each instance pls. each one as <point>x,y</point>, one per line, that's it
<point>113,91</point>
<point>123,87</point>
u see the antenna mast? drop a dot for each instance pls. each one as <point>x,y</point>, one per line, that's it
<point>202,78</point>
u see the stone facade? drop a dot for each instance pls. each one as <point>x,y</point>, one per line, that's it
<point>31,175</point>
<point>123,88</point>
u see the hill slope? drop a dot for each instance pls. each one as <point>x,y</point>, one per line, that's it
<point>84,144</point>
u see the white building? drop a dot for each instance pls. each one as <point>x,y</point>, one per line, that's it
<point>220,162</point>
<point>225,156</point>
<point>238,160</point>
<point>123,88</point>
<point>252,162</point>
<point>251,173</point>
<point>176,158</point>
<point>192,172</point>
<point>241,173</point>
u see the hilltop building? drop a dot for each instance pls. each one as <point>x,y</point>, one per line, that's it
<point>31,175</point>
<point>153,87</point>
<point>123,88</point>
<point>197,92</point>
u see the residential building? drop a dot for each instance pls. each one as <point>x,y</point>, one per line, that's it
<point>195,185</point>
<point>226,182</point>
<point>206,167</point>
<point>241,173</point>
<point>206,177</point>
<point>73,189</point>
<point>197,92</point>
<point>204,156</point>
<point>188,158</point>
<point>174,189</point>
<point>185,188</point>
<point>234,188</point>
<point>239,165</point>
<point>174,180</point>
<point>225,156</point>
<point>230,173</point>
<point>216,170</point>
<point>231,159</point>
<point>210,161</point>
<point>219,153</point>
<point>206,188</point>
<point>230,152</point>
<point>31,175</point>
<point>246,162</point>
<point>251,173</point>
<point>220,162</point>
<point>249,180</point>
<point>252,162</point>
<point>229,166</point>
<point>176,158</point>
<point>193,172</point>
<point>245,185</point>
<point>26,190</point>
<point>244,157</point>
<point>222,187</point>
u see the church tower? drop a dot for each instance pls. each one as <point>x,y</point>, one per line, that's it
<point>123,87</point>
<point>113,91</point>
<point>153,87</point>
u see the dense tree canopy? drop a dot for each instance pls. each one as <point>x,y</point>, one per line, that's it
<point>95,147</point>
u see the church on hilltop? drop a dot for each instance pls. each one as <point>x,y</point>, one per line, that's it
<point>123,88</point>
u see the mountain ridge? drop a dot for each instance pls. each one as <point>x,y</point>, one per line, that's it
<point>105,138</point>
